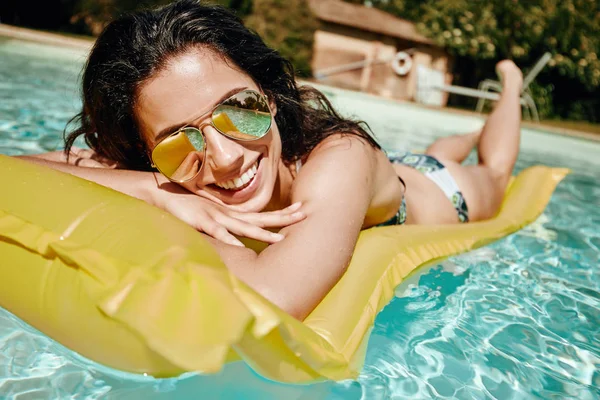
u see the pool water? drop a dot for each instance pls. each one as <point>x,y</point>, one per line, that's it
<point>517,319</point>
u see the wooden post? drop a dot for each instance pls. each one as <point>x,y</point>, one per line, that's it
<point>365,78</point>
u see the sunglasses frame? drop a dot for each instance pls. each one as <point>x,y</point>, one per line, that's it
<point>200,127</point>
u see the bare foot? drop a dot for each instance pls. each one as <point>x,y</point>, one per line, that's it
<point>510,75</point>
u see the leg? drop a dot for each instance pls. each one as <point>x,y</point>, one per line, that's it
<point>455,147</point>
<point>483,185</point>
<point>500,136</point>
<point>486,86</point>
<point>499,139</point>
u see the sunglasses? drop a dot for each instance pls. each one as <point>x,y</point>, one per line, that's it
<point>245,116</point>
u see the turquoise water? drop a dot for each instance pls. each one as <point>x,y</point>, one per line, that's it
<point>518,319</point>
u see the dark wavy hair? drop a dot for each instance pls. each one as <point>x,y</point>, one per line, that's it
<point>133,48</point>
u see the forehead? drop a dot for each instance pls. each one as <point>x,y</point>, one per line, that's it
<point>188,86</point>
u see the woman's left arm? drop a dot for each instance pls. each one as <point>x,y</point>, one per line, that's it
<point>335,186</point>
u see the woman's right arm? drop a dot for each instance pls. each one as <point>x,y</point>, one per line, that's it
<point>85,164</point>
<point>77,156</point>
<point>155,189</point>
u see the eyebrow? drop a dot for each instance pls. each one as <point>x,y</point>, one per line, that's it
<point>174,128</point>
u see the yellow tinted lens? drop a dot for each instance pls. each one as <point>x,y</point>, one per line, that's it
<point>245,116</point>
<point>179,157</point>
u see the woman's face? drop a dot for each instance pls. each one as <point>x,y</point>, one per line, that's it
<point>184,93</point>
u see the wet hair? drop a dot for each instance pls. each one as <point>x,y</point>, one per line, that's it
<point>134,48</point>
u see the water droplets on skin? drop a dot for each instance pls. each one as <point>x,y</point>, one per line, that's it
<point>517,319</point>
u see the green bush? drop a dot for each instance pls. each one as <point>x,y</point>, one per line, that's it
<point>480,33</point>
<point>542,93</point>
<point>242,8</point>
<point>288,26</point>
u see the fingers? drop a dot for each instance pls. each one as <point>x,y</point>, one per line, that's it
<point>292,207</point>
<point>226,226</point>
<point>202,221</point>
<point>219,232</point>
<point>248,230</point>
<point>274,219</point>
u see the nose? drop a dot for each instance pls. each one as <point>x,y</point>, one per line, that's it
<point>223,155</point>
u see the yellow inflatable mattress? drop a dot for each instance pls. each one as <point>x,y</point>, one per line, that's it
<point>132,287</point>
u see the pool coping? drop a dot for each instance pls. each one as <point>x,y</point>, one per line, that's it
<point>18,32</point>
<point>86,44</point>
<point>530,125</point>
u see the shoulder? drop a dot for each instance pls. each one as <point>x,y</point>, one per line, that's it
<point>338,165</point>
<point>349,166</point>
<point>343,145</point>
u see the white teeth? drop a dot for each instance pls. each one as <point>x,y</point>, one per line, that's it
<point>241,181</point>
<point>246,177</point>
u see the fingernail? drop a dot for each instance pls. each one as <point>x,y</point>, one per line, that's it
<point>278,236</point>
<point>295,205</point>
<point>298,214</point>
<point>237,243</point>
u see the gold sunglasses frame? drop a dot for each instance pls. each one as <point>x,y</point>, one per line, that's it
<point>200,127</point>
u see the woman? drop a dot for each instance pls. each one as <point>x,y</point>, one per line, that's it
<point>187,90</point>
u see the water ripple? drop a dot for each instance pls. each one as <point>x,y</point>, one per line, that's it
<point>524,322</point>
<point>518,319</point>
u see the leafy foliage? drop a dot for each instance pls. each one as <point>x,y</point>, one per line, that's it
<point>242,8</point>
<point>289,27</point>
<point>485,31</point>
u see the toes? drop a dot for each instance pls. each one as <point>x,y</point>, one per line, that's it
<point>508,70</point>
<point>506,67</point>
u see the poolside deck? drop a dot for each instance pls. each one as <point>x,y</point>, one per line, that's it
<point>45,37</point>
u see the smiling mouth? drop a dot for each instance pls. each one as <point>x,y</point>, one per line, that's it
<point>240,183</point>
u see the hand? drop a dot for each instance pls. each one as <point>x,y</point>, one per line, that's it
<point>221,223</point>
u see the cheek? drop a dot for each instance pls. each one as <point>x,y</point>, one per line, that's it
<point>275,139</point>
